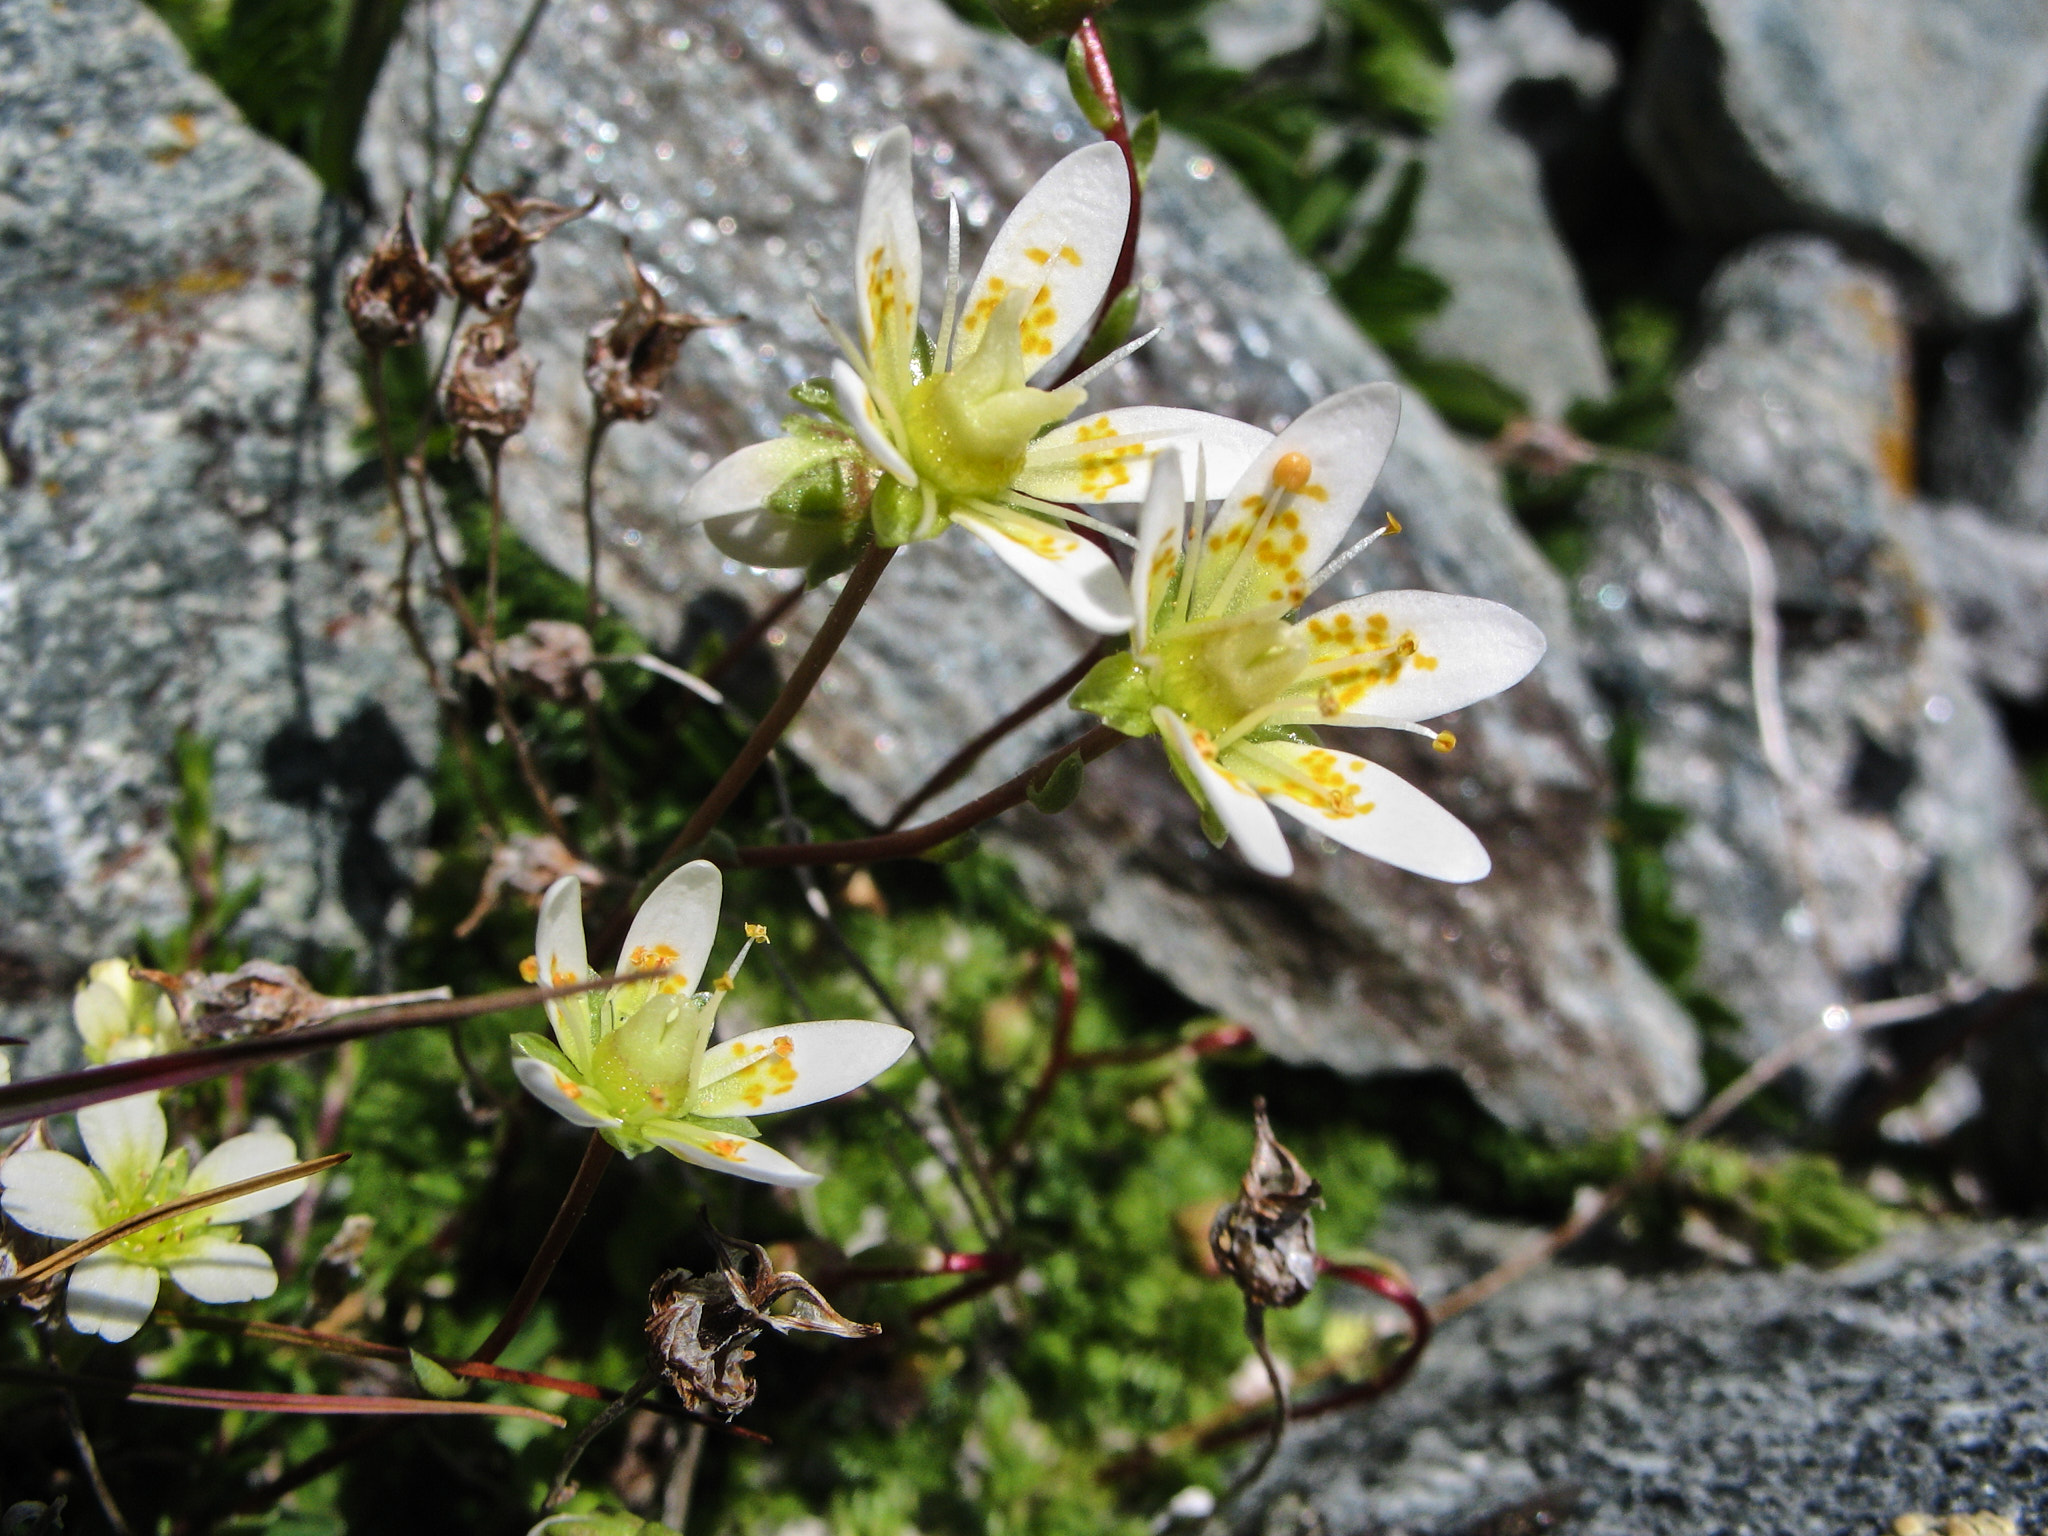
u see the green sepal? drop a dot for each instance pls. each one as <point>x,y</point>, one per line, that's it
<point>435,1379</point>
<point>1092,106</point>
<point>1057,790</point>
<point>837,558</point>
<point>818,395</point>
<point>825,493</point>
<point>725,1125</point>
<point>167,1179</point>
<point>923,355</point>
<point>1112,331</point>
<point>545,1051</point>
<point>899,516</point>
<point>1144,145</point>
<point>1300,735</point>
<point>1119,690</point>
<point>813,430</point>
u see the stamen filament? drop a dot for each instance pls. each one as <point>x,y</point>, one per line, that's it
<point>943,352</point>
<point>1025,501</point>
<point>1331,568</point>
<point>1276,503</point>
<point>1191,562</point>
<point>1097,369</point>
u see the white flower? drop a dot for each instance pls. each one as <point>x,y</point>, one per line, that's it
<point>931,431</point>
<point>634,1061</point>
<point>1220,669</point>
<point>112,1292</point>
<point>120,1017</point>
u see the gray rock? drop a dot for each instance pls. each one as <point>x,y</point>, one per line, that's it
<point>1993,580</point>
<point>1987,436</point>
<point>726,145</point>
<point>1908,812</point>
<point>174,554</point>
<point>1850,119</point>
<point>1516,309</point>
<point>1792,1402</point>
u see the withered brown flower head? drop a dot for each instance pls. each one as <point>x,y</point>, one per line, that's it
<point>526,862</point>
<point>629,355</point>
<point>552,656</point>
<point>490,264</point>
<point>259,998</point>
<point>392,291</point>
<point>699,1326</point>
<point>489,393</point>
<point>1265,1239</point>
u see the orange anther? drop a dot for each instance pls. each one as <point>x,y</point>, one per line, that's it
<point>1291,471</point>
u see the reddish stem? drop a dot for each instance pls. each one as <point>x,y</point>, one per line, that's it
<point>1061,1058</point>
<point>597,1156</point>
<point>1102,79</point>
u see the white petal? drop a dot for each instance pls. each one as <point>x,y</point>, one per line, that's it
<point>738,1155</point>
<point>557,1092</point>
<point>858,407</point>
<point>1059,244</point>
<point>1072,574</point>
<point>559,951</point>
<point>1314,477</point>
<point>743,481</point>
<point>888,258</point>
<point>1107,457</point>
<point>1162,525</point>
<point>770,1070</point>
<point>125,1139</point>
<point>110,1296</point>
<point>1237,805</point>
<point>1381,814</point>
<point>675,925</point>
<point>768,542</point>
<point>220,1270</point>
<point>1465,649</point>
<point>51,1193</point>
<point>101,1014</point>
<point>247,1156</point>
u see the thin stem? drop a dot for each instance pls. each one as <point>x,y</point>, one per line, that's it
<point>1103,79</point>
<point>682,1479</point>
<point>591,604</point>
<point>612,1413</point>
<point>777,610</point>
<point>408,618</point>
<point>341,1082</point>
<point>491,450</point>
<point>956,767</point>
<point>860,584</point>
<point>89,1461</point>
<point>438,223</point>
<point>312,1469</point>
<point>912,841</point>
<point>597,1156</point>
<point>1061,1058</point>
<point>1255,1330</point>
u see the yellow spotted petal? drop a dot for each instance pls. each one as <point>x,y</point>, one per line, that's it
<point>770,1070</point>
<point>1364,807</point>
<point>888,262</point>
<point>1162,526</point>
<point>1107,456</point>
<point>1233,798</point>
<point>1060,246</point>
<point>674,928</point>
<point>1408,656</point>
<point>1291,508</point>
<point>568,1098</point>
<point>561,961</point>
<point>1069,572</point>
<point>740,1156</point>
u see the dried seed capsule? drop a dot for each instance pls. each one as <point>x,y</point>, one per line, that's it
<point>1265,1240</point>
<point>489,393</point>
<point>629,355</point>
<point>393,291</point>
<point>699,1326</point>
<point>490,264</point>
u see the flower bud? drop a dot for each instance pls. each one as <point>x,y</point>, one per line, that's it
<point>392,292</point>
<point>629,355</point>
<point>489,393</point>
<point>1040,21</point>
<point>490,264</point>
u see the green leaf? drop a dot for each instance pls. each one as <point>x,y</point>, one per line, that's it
<point>1092,106</point>
<point>1145,144</point>
<point>435,1379</point>
<point>1056,791</point>
<point>818,395</point>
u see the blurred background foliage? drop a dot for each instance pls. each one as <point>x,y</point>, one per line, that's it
<point>1012,1413</point>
